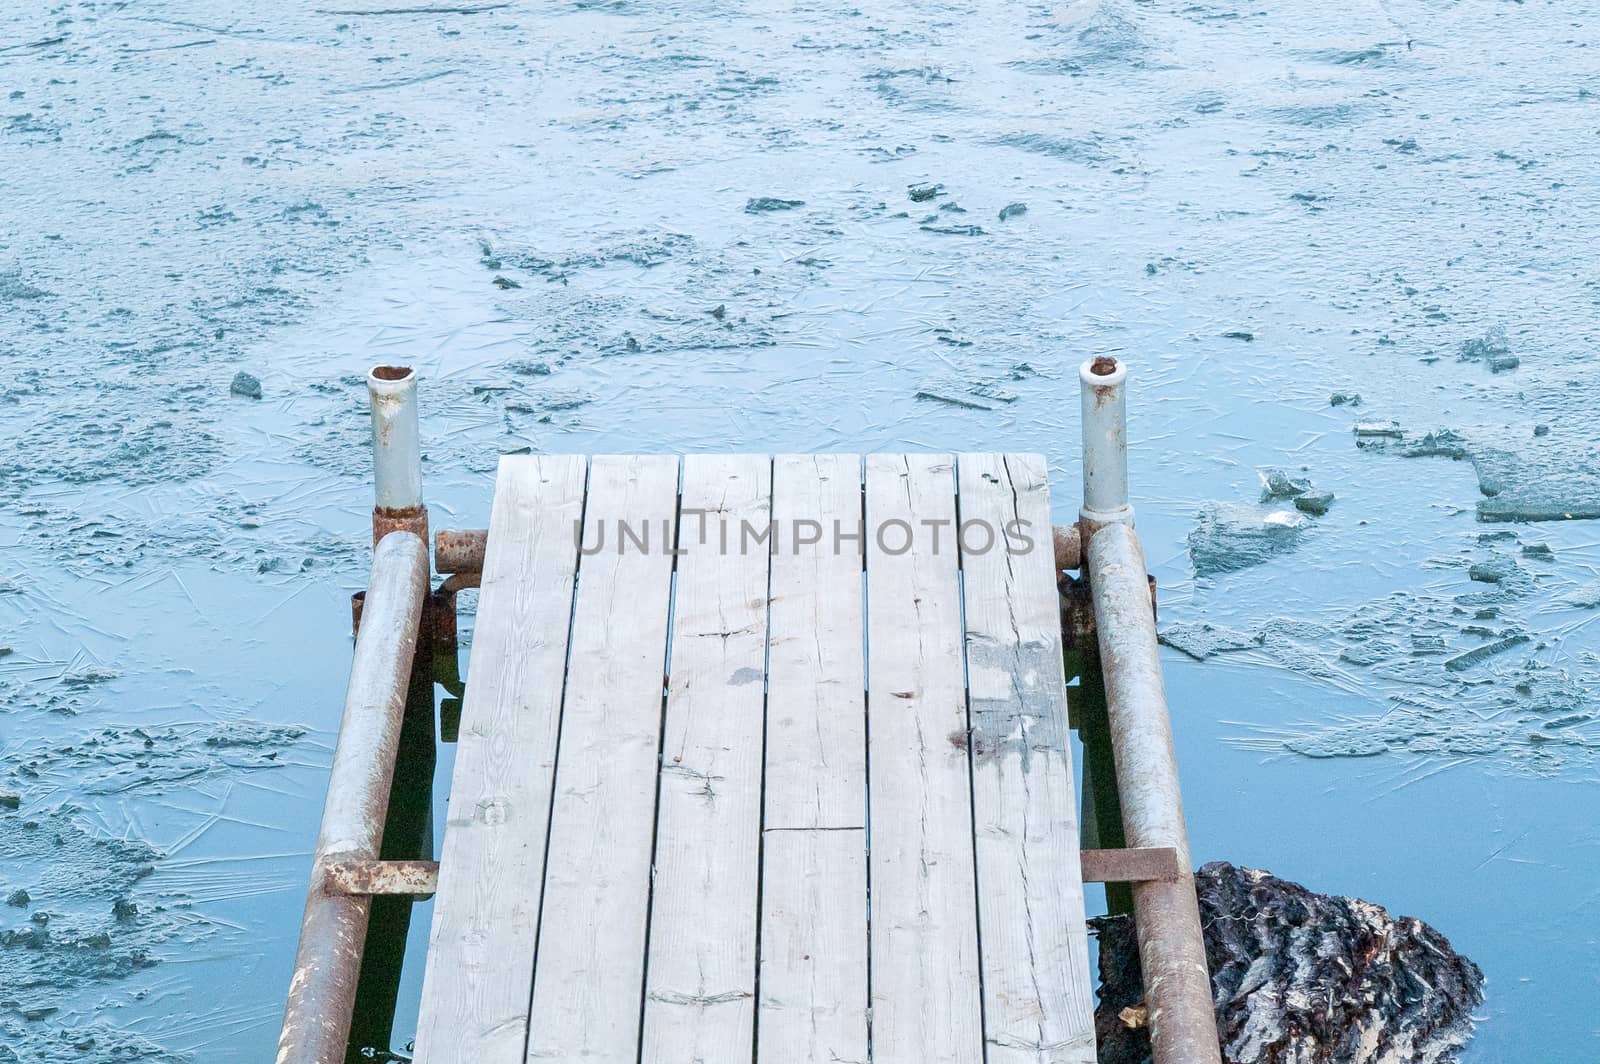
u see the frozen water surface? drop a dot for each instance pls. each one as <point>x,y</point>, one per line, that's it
<point>695,225</point>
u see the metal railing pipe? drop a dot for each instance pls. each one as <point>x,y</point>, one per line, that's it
<point>1172,953</point>
<point>396,453</point>
<point>1102,395</point>
<point>316,1022</point>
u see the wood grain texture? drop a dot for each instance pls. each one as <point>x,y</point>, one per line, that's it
<point>925,995</point>
<point>814,947</point>
<point>1038,1007</point>
<point>816,723</point>
<point>700,982</point>
<point>813,1007</point>
<point>589,974</point>
<point>485,919</point>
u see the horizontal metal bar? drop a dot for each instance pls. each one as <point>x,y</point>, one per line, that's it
<point>1139,864</point>
<point>381,877</point>
<point>461,550</point>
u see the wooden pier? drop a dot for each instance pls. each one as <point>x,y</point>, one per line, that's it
<point>765,759</point>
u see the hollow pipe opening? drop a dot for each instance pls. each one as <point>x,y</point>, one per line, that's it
<point>1102,381</point>
<point>1102,372</point>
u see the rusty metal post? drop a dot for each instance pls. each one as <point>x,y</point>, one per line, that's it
<point>1069,547</point>
<point>396,454</point>
<point>316,1022</point>
<point>1172,953</point>
<point>460,550</point>
<point>1102,382</point>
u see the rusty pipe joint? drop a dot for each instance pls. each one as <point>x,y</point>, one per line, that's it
<point>396,453</point>
<point>460,550</point>
<point>1103,394</point>
<point>1069,547</point>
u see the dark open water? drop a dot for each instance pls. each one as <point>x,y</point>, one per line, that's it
<point>540,204</point>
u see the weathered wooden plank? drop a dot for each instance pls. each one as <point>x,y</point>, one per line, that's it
<point>816,710</point>
<point>813,1006</point>
<point>485,919</point>
<point>813,947</point>
<point>700,977</point>
<point>1038,1006</point>
<point>589,974</point>
<point>925,999</point>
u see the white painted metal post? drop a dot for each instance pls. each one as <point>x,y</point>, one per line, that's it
<point>396,453</point>
<point>1105,445</point>
<point>396,439</point>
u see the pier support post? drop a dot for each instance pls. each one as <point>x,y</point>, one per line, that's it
<point>396,454</point>
<point>1102,383</point>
